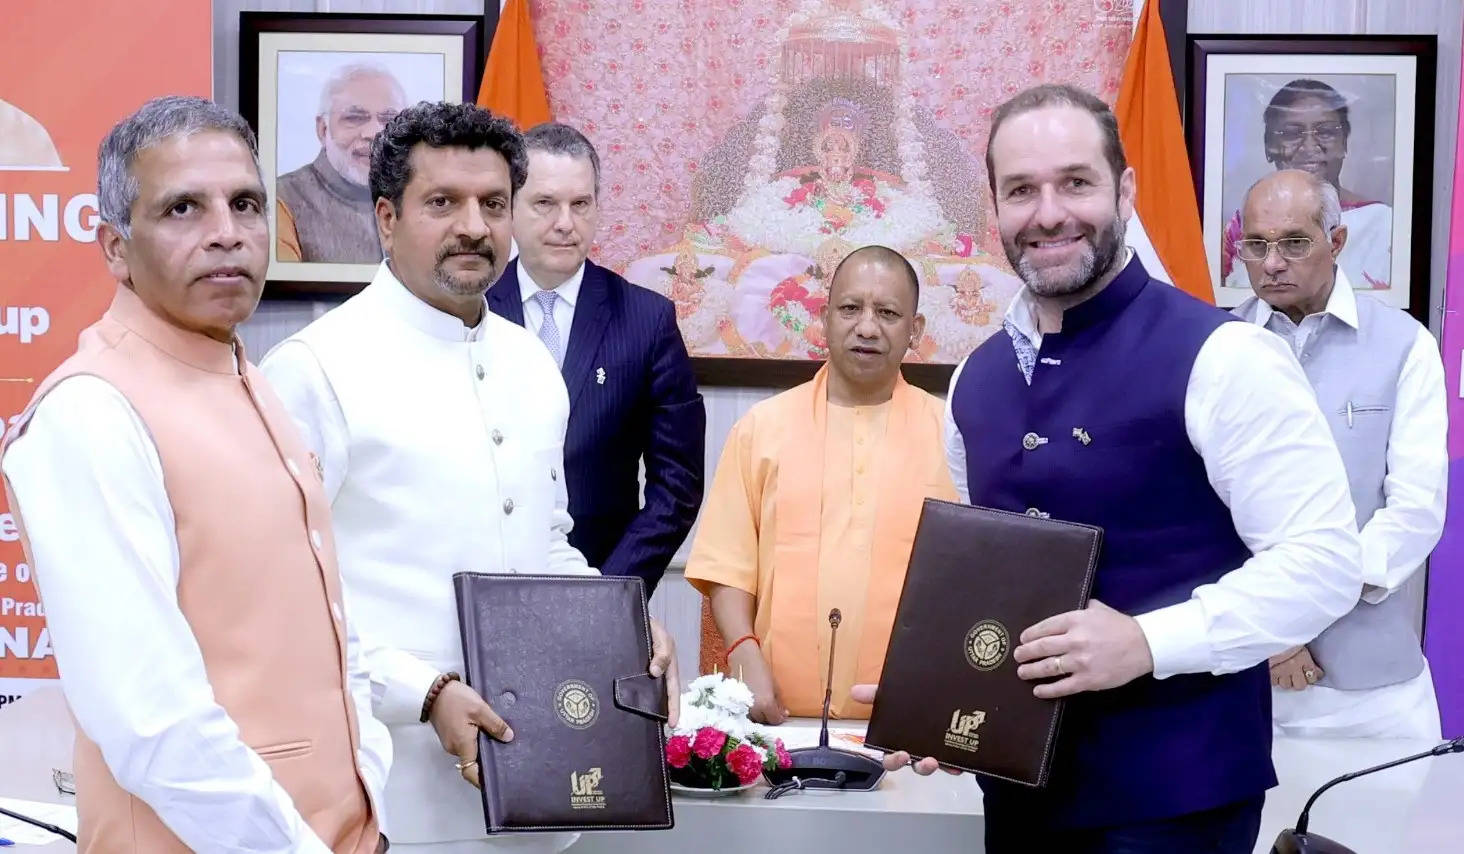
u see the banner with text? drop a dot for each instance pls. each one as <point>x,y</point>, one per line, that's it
<point>68,72</point>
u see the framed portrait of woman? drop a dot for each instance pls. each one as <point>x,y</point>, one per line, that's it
<point>1354,111</point>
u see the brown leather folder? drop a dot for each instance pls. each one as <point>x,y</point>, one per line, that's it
<point>563,659</point>
<point>949,689</point>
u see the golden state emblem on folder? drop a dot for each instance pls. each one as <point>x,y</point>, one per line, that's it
<point>987,644</point>
<point>576,704</point>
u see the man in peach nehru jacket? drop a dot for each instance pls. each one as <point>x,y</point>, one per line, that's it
<point>816,499</point>
<point>180,535</point>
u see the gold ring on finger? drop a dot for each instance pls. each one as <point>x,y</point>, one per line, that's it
<point>1309,673</point>
<point>462,766</point>
<point>1061,671</point>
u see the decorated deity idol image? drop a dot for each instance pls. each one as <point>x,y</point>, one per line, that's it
<point>838,155</point>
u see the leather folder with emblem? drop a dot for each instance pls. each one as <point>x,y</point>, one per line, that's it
<point>949,689</point>
<point>563,659</point>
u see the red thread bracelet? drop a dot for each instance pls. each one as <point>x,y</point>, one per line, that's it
<point>739,642</point>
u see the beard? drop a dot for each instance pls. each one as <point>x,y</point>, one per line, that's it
<point>1104,246</point>
<point>345,164</point>
<point>473,284</point>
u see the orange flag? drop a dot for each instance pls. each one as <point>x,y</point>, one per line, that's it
<point>513,85</point>
<point>1153,138</point>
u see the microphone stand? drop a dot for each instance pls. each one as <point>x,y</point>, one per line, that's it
<point>825,767</point>
<point>1298,841</point>
<point>64,834</point>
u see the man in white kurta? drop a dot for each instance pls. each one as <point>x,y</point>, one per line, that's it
<point>440,428</point>
<point>1380,381</point>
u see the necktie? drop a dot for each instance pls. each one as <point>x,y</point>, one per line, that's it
<point>549,330</point>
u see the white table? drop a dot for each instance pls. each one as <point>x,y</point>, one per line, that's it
<point>1417,807</point>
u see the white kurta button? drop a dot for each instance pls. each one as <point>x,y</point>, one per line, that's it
<point>316,539</point>
<point>497,437</point>
<point>479,371</point>
<point>508,506</point>
<point>294,469</point>
<point>554,474</point>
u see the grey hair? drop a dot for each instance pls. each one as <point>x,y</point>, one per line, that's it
<point>560,138</point>
<point>155,121</point>
<point>345,74</point>
<point>1329,203</point>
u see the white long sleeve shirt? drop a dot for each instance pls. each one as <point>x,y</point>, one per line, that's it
<point>97,515</point>
<point>1401,534</point>
<point>1252,417</point>
<point>442,451</point>
<point>1396,540</point>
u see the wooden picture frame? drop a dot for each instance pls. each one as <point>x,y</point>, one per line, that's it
<point>1249,108</point>
<point>286,62</point>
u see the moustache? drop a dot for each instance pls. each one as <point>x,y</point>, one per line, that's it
<point>479,247</point>
<point>1037,233</point>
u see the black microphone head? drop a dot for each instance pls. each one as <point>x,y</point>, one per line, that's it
<point>835,617</point>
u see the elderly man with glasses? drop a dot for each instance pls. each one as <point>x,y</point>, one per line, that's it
<point>1380,382</point>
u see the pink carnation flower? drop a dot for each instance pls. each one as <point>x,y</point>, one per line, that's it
<point>744,762</point>
<point>708,742</point>
<point>784,760</point>
<point>678,751</point>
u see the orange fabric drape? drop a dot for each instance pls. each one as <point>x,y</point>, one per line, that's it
<point>513,83</point>
<point>1153,138</point>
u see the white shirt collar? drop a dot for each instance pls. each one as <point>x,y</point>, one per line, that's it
<point>569,291</point>
<point>411,310</point>
<point>1342,304</point>
<point>1022,312</point>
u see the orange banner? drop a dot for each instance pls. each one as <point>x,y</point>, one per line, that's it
<point>68,71</point>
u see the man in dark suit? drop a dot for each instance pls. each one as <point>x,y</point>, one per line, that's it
<point>632,394</point>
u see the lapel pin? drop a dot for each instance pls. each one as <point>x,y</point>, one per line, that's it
<point>600,376</point>
<point>1082,435</point>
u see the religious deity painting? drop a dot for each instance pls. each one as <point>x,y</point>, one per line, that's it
<point>749,147</point>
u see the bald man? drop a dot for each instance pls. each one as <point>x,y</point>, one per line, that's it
<point>816,499</point>
<point>324,210</point>
<point>1380,382</point>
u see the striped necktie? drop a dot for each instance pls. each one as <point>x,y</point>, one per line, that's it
<point>548,329</point>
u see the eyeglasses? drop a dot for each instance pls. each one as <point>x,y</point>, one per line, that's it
<point>1292,135</point>
<point>1291,248</point>
<point>357,119</point>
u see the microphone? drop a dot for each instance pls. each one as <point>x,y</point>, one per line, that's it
<point>64,834</point>
<point>835,617</point>
<point>825,767</point>
<point>1298,841</point>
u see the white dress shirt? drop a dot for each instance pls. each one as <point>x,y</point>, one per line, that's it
<point>563,307</point>
<point>442,451</point>
<point>1399,536</point>
<point>98,518</point>
<point>1395,541</point>
<point>1252,417</point>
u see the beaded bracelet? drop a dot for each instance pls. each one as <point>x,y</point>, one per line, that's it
<point>436,689</point>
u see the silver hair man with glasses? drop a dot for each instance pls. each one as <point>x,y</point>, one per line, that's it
<point>325,211</point>
<point>1380,383</point>
<point>181,536</point>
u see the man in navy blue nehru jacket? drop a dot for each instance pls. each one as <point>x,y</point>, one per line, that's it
<point>632,394</point>
<point>1195,442</point>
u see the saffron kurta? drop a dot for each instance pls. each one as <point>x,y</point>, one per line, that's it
<point>814,506</point>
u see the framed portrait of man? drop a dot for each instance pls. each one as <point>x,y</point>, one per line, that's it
<point>1355,111</point>
<point>317,88</point>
